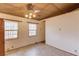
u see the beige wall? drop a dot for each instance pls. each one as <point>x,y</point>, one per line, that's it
<point>23,39</point>
<point>63,32</point>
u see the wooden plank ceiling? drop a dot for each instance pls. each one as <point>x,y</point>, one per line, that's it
<point>46,9</point>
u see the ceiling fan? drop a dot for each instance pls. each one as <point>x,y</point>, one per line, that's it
<point>31,12</point>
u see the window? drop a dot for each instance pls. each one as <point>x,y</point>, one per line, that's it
<point>32,29</point>
<point>11,29</point>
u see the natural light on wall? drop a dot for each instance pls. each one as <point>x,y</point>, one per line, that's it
<point>11,29</point>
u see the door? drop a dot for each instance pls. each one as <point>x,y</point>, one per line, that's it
<point>1,37</point>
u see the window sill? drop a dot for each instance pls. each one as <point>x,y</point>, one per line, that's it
<point>11,39</point>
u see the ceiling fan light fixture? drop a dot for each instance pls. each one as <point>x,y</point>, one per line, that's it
<point>30,17</point>
<point>30,14</point>
<point>26,15</point>
<point>34,15</point>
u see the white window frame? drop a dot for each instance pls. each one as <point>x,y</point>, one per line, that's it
<point>10,38</point>
<point>32,30</point>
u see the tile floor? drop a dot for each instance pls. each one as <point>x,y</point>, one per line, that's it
<point>39,49</point>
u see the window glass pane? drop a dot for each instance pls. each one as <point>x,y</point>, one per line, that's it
<point>11,29</point>
<point>32,33</point>
<point>32,26</point>
<point>10,34</point>
<point>9,25</point>
<point>32,29</point>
